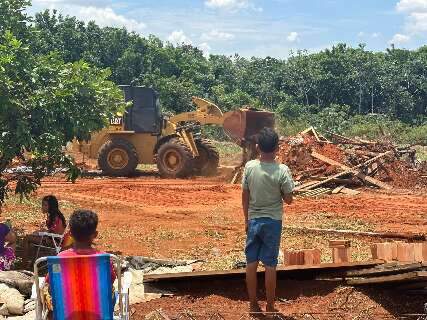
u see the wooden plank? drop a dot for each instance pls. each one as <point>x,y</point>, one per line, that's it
<point>350,192</point>
<point>315,192</point>
<point>386,235</point>
<point>298,189</point>
<point>411,286</point>
<point>404,277</point>
<point>351,170</point>
<point>337,190</point>
<point>332,162</point>
<point>385,269</point>
<point>240,273</point>
<point>360,175</point>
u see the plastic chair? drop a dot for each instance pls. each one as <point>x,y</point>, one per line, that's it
<point>81,288</point>
<point>56,242</point>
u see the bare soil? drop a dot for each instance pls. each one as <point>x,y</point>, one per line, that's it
<point>202,218</point>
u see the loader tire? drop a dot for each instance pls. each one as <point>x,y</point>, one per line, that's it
<point>118,157</point>
<point>174,159</point>
<point>206,164</point>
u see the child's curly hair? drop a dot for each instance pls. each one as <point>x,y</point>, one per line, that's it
<point>267,140</point>
<point>83,224</point>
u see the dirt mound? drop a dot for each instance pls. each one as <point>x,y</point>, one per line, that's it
<point>398,168</point>
<point>296,153</point>
<point>402,175</point>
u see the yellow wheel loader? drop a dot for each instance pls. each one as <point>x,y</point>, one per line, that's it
<point>144,136</point>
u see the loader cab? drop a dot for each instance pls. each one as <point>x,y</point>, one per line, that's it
<point>144,116</point>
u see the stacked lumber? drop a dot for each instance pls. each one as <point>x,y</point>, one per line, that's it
<point>405,267</point>
<point>408,277</point>
<point>339,164</point>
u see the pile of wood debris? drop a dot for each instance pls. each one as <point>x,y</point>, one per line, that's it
<point>340,164</point>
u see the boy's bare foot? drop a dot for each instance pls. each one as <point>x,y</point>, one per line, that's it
<point>255,308</point>
<point>272,312</point>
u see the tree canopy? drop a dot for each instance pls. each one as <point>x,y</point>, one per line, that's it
<point>44,102</point>
<point>391,83</point>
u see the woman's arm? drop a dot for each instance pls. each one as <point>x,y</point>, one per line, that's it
<point>10,238</point>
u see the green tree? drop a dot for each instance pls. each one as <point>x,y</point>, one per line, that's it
<point>44,103</point>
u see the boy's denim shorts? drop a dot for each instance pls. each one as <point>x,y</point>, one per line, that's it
<point>263,241</point>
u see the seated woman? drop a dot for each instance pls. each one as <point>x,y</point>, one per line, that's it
<point>55,223</point>
<point>7,245</point>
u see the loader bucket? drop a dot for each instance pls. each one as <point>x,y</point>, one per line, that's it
<point>244,124</point>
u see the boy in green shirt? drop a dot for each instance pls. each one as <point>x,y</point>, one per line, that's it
<point>266,185</point>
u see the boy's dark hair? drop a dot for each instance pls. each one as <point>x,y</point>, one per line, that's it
<point>268,140</point>
<point>83,224</point>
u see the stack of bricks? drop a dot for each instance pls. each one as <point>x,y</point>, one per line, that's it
<point>400,251</point>
<point>340,250</point>
<point>302,257</point>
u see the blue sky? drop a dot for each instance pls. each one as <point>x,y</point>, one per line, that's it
<point>260,28</point>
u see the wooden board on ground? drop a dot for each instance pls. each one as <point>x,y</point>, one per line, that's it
<point>349,192</point>
<point>360,175</point>
<point>315,193</point>
<point>309,185</point>
<point>396,278</point>
<point>240,273</point>
<point>385,269</point>
<point>337,190</point>
<point>412,286</point>
<point>385,235</point>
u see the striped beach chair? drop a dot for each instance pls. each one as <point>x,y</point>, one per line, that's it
<point>81,288</point>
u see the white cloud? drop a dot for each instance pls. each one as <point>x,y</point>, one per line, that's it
<point>376,35</point>
<point>205,47</point>
<point>103,16</point>
<point>178,37</point>
<point>361,34</point>
<point>293,37</point>
<point>107,17</point>
<point>227,4</point>
<point>416,21</point>
<point>232,5</point>
<point>217,35</point>
<point>83,3</point>
<point>399,38</point>
<point>411,5</point>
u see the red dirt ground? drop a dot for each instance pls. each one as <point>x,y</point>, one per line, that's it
<point>189,218</point>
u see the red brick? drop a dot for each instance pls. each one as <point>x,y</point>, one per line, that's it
<point>341,254</point>
<point>339,243</point>
<point>394,250</point>
<point>418,252</point>
<point>405,252</point>
<point>311,256</point>
<point>388,251</point>
<point>424,251</point>
<point>374,253</point>
<point>292,258</point>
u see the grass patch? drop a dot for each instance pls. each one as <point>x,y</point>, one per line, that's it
<point>213,234</point>
<point>421,153</point>
<point>327,220</point>
<point>27,211</point>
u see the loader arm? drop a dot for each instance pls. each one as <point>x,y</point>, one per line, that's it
<point>206,113</point>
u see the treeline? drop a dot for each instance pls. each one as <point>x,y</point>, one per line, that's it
<point>337,87</point>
